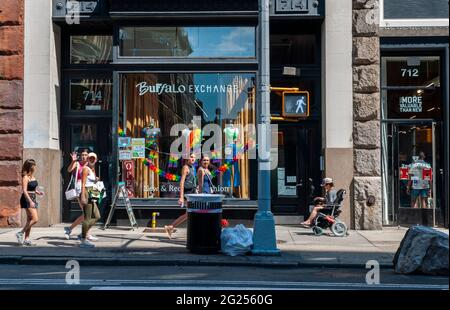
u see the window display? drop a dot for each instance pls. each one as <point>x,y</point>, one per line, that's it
<point>168,116</point>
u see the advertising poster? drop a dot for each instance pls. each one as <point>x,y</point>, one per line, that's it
<point>124,142</point>
<point>125,155</point>
<point>138,147</point>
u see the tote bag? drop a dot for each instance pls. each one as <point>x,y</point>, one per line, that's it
<point>71,194</point>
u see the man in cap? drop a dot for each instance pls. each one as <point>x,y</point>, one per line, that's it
<point>330,197</point>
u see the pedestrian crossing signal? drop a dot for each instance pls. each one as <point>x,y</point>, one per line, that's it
<point>295,104</point>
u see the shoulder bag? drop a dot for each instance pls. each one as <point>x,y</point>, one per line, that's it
<point>71,194</point>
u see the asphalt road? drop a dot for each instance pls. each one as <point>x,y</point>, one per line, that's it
<point>51,277</point>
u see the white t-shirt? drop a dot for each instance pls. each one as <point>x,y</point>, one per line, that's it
<point>416,174</point>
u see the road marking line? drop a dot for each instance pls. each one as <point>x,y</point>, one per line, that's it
<point>205,283</point>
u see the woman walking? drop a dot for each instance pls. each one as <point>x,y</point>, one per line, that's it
<point>88,198</point>
<point>205,185</point>
<point>28,201</point>
<point>188,185</point>
<point>76,167</point>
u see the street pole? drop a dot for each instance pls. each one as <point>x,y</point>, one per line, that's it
<point>264,239</point>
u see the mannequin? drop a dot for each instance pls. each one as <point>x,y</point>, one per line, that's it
<point>231,137</point>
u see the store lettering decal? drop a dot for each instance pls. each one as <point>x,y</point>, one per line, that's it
<point>160,88</point>
<point>410,104</point>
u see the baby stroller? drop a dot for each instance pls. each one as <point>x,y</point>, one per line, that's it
<point>328,218</point>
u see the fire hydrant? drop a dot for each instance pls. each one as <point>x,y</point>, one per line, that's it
<point>154,215</point>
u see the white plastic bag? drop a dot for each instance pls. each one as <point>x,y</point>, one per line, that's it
<point>236,241</point>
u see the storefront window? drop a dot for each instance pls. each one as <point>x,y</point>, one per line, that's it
<point>411,88</point>
<point>212,113</point>
<point>90,94</point>
<point>187,42</point>
<point>90,49</point>
<point>411,111</point>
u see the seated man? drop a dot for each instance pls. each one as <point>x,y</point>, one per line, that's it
<point>330,197</point>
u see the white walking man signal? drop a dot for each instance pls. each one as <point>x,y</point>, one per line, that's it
<point>301,105</point>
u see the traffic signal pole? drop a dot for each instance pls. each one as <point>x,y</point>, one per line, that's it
<point>264,239</point>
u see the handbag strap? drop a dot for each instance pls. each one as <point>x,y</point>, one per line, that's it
<point>71,178</point>
<point>210,181</point>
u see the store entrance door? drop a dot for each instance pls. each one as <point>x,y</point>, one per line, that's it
<point>94,135</point>
<point>412,173</point>
<point>298,169</point>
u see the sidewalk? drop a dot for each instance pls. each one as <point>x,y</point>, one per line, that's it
<point>121,246</point>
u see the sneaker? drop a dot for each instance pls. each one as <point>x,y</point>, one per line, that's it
<point>169,230</point>
<point>28,243</point>
<point>19,237</point>
<point>86,244</point>
<point>67,232</point>
<point>92,238</point>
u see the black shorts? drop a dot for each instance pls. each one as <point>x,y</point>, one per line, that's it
<point>24,202</point>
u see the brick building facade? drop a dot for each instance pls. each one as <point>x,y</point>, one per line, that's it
<point>11,109</point>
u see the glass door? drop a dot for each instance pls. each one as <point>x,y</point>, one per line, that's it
<point>410,160</point>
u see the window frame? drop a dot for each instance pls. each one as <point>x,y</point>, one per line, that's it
<point>410,22</point>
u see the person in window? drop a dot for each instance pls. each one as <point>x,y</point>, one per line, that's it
<point>188,185</point>
<point>330,197</point>
<point>418,187</point>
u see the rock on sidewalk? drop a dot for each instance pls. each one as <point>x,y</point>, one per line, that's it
<point>422,250</point>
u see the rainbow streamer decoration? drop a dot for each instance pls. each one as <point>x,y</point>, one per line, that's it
<point>166,175</point>
<point>153,155</point>
<point>215,156</point>
<point>122,133</point>
<point>175,178</point>
<point>226,166</point>
<point>173,161</point>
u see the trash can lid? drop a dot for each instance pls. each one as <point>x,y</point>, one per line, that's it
<point>205,197</point>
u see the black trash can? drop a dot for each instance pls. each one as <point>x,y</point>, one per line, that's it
<point>204,223</point>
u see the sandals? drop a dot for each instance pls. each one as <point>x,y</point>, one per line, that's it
<point>305,225</point>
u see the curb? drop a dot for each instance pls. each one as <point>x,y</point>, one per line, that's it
<point>112,261</point>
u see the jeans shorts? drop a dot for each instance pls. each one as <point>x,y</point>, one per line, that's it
<point>419,193</point>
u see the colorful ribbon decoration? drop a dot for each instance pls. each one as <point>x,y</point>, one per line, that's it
<point>226,166</point>
<point>176,178</point>
<point>173,161</point>
<point>166,175</point>
<point>122,133</point>
<point>215,156</point>
<point>153,155</point>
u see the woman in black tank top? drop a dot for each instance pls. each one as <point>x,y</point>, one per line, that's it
<point>28,201</point>
<point>188,185</point>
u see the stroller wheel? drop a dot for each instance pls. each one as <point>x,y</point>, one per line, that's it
<point>317,231</point>
<point>339,229</point>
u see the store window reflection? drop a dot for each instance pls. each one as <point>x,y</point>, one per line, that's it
<point>187,42</point>
<point>152,103</point>
<point>93,49</point>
